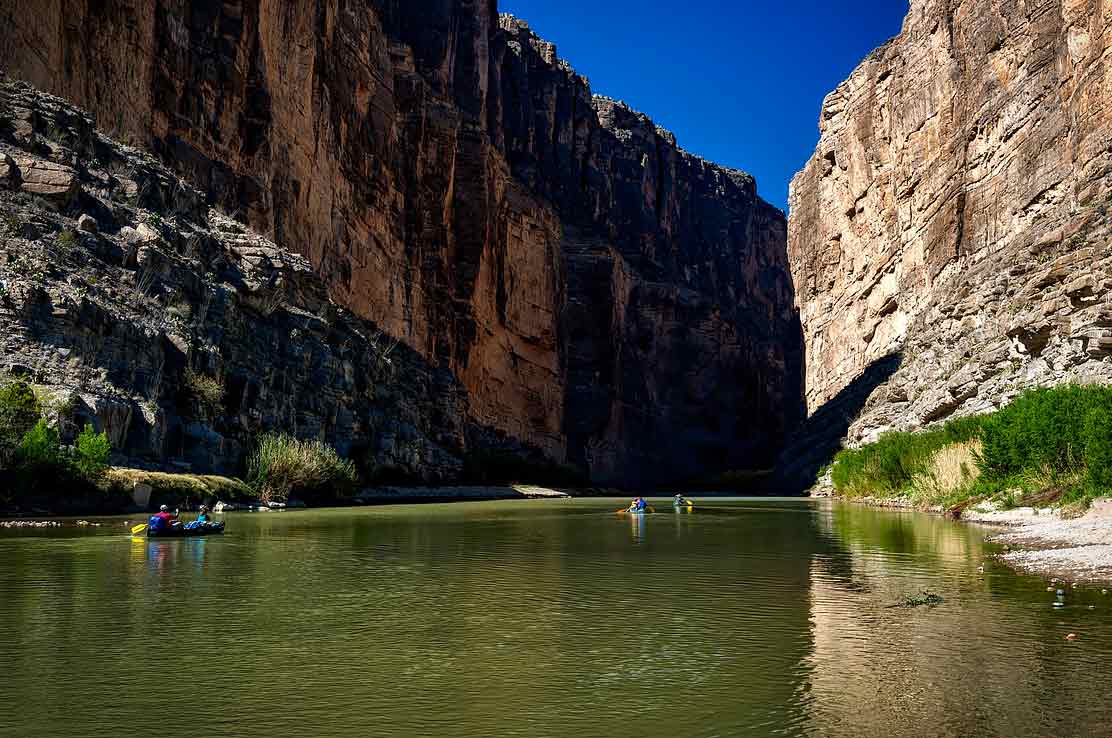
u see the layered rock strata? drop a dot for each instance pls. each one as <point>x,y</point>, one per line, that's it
<point>955,214</point>
<point>598,293</point>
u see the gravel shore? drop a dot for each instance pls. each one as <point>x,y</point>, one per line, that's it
<point>1078,549</point>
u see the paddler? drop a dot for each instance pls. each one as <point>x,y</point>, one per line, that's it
<point>162,520</point>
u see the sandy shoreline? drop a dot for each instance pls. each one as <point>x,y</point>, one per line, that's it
<point>402,495</point>
<point>1044,543</point>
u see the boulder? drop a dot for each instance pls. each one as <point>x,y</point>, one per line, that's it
<point>9,172</point>
<point>87,224</point>
<point>53,182</point>
<point>141,494</point>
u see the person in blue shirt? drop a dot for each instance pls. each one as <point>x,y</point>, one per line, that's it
<point>204,516</point>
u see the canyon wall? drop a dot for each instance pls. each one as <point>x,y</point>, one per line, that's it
<point>598,293</point>
<point>948,239</point>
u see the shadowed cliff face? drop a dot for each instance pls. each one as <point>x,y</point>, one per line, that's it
<point>956,209</point>
<point>599,293</point>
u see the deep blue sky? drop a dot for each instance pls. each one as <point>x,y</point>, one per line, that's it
<point>739,83</point>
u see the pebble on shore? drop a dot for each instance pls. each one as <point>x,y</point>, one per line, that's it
<point>30,524</point>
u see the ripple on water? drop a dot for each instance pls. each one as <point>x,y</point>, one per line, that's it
<point>753,618</point>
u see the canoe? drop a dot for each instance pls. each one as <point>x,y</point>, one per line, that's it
<point>180,531</point>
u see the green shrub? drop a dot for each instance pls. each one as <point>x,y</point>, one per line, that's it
<point>33,461</point>
<point>90,454</point>
<point>41,464</point>
<point>1047,445</point>
<point>283,466</point>
<point>1098,443</point>
<point>19,412</point>
<point>1060,436</point>
<point>41,449</point>
<point>1042,428</point>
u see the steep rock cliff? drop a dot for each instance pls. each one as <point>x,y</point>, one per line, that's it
<point>599,293</point>
<point>953,217</point>
<point>180,333</point>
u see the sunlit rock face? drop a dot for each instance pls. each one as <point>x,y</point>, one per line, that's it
<point>600,294</point>
<point>955,211</point>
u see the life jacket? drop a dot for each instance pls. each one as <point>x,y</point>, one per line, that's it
<point>157,523</point>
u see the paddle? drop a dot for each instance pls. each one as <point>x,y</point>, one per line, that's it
<point>136,530</point>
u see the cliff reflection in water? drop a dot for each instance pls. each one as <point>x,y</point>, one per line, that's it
<point>992,659</point>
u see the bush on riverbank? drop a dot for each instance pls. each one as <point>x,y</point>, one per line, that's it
<point>283,466</point>
<point>1060,437</point>
<point>34,464</point>
<point>19,412</point>
<point>1047,445</point>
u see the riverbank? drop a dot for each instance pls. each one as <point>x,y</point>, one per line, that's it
<point>408,495</point>
<point>1041,465</point>
<point>1037,540</point>
<point>1044,542</point>
<point>140,491</point>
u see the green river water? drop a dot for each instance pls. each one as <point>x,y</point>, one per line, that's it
<point>548,619</point>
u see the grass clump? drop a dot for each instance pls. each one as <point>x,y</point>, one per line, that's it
<point>283,466</point>
<point>180,489</point>
<point>67,239</point>
<point>949,473</point>
<point>888,467</point>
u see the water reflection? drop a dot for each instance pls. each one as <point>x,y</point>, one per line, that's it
<point>742,619</point>
<point>637,527</point>
<point>990,660</point>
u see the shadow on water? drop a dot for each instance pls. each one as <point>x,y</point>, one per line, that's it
<point>820,437</point>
